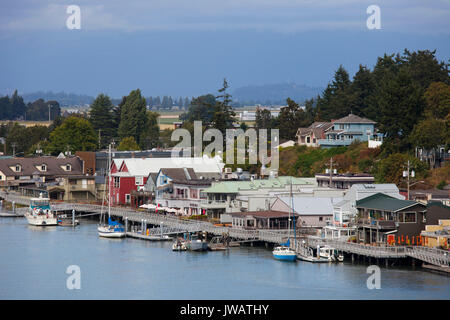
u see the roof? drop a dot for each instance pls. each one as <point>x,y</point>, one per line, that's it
<point>312,205</point>
<point>351,118</point>
<point>263,214</point>
<point>145,166</point>
<point>271,183</point>
<point>380,201</point>
<point>29,166</point>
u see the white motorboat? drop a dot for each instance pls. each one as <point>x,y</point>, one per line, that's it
<point>39,213</point>
<point>194,243</point>
<point>331,254</point>
<point>179,245</point>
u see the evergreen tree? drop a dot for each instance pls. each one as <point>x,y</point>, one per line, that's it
<point>336,100</point>
<point>102,118</point>
<point>133,120</point>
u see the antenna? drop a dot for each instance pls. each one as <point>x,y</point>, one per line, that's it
<point>14,148</point>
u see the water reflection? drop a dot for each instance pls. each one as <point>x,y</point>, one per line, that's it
<point>34,261</point>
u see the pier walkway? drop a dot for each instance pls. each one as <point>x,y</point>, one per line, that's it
<point>173,224</point>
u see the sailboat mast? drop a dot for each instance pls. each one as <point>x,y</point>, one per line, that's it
<point>109,181</point>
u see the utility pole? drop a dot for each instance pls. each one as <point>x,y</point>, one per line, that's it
<point>330,171</point>
<point>49,113</point>
<point>407,174</point>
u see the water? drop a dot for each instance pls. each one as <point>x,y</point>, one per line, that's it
<point>33,263</point>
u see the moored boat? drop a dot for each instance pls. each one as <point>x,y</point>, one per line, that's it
<point>284,253</point>
<point>39,213</point>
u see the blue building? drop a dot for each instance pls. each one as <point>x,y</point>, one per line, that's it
<point>349,129</point>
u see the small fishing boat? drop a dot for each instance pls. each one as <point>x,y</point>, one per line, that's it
<point>308,255</point>
<point>331,254</point>
<point>194,243</point>
<point>67,221</point>
<point>179,245</point>
<point>39,212</point>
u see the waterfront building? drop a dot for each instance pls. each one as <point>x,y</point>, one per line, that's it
<point>383,219</point>
<point>310,136</point>
<point>225,197</point>
<point>343,181</point>
<point>345,211</point>
<point>270,219</point>
<point>349,129</point>
<point>131,175</point>
<point>74,188</point>
<point>437,235</point>
<point>180,188</point>
<point>37,172</point>
<point>313,212</point>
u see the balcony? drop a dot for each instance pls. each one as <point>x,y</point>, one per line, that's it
<point>335,143</point>
<point>213,204</point>
<point>376,224</point>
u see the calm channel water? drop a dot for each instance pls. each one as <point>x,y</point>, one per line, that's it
<point>33,263</point>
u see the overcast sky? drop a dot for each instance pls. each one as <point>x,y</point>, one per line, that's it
<point>186,47</point>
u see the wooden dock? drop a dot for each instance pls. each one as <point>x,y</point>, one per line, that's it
<point>175,225</point>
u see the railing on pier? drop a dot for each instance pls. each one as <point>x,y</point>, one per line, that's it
<point>430,255</point>
<point>360,249</point>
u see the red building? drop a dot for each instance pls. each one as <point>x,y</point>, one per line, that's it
<point>128,176</point>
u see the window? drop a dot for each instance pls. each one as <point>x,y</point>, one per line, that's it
<point>116,182</point>
<point>410,217</point>
<point>127,198</point>
<point>18,168</point>
<point>320,218</point>
<point>139,181</point>
<point>68,167</point>
<point>43,167</point>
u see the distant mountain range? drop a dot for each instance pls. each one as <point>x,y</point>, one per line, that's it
<point>274,93</point>
<point>248,95</point>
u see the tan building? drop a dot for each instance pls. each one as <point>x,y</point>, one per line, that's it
<point>74,189</point>
<point>437,235</point>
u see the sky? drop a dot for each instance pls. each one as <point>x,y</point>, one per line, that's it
<point>187,47</point>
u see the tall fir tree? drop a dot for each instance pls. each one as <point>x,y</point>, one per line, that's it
<point>133,121</point>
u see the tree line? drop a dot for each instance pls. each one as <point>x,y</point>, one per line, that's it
<point>408,95</point>
<point>14,108</point>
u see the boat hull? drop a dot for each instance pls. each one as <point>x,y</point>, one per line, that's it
<point>106,232</point>
<point>43,221</point>
<point>285,257</point>
<point>197,246</point>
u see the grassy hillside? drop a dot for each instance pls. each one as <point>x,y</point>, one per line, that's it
<point>302,161</point>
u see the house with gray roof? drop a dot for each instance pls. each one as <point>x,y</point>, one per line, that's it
<point>348,129</point>
<point>313,212</point>
<point>383,219</point>
<point>345,210</point>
